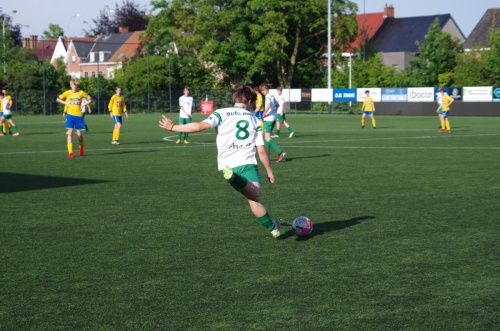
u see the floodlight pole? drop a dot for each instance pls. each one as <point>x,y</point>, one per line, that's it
<point>329,43</point>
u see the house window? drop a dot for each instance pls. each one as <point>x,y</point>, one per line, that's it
<point>101,56</point>
<point>93,74</point>
<point>86,74</point>
<point>73,58</point>
<point>92,57</point>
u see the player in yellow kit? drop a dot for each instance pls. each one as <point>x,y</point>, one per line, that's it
<point>72,100</point>
<point>446,101</point>
<point>368,108</point>
<point>116,108</point>
<point>6,125</point>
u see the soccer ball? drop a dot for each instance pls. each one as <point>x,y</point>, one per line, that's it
<point>302,226</point>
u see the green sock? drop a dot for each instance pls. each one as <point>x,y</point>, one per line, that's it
<point>14,128</point>
<point>266,221</point>
<point>267,145</point>
<point>86,128</point>
<point>277,132</point>
<point>179,135</point>
<point>290,129</point>
<point>274,146</point>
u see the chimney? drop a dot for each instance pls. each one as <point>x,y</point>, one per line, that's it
<point>26,43</point>
<point>389,11</point>
<point>123,29</point>
<point>34,39</point>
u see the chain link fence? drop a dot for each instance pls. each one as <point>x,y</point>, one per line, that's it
<point>34,102</point>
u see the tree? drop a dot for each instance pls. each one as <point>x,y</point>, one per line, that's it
<point>437,56</point>
<point>254,40</point>
<point>129,14</point>
<point>53,32</point>
<point>493,57</point>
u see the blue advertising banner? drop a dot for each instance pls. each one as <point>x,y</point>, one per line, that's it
<point>394,95</point>
<point>496,93</point>
<point>436,92</point>
<point>344,94</point>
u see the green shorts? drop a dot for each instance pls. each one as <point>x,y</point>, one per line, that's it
<point>183,120</point>
<point>7,117</point>
<point>269,126</point>
<point>249,172</point>
<point>280,118</point>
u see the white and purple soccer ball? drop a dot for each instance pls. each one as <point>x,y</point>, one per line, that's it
<point>302,226</point>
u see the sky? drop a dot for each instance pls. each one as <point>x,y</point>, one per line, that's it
<point>36,15</point>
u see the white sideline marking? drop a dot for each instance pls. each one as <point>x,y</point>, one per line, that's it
<point>286,143</point>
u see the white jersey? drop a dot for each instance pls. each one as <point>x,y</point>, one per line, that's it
<point>271,115</point>
<point>84,105</point>
<point>282,107</point>
<point>6,106</point>
<point>186,102</point>
<point>238,133</point>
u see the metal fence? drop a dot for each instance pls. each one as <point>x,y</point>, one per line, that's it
<point>34,102</point>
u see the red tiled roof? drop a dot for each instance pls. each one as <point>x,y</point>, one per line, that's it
<point>128,49</point>
<point>45,48</point>
<point>370,23</point>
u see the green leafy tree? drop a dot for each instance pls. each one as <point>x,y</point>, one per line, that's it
<point>437,56</point>
<point>129,14</point>
<point>493,57</point>
<point>254,40</point>
<point>53,32</point>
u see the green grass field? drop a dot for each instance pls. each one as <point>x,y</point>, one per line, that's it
<point>148,236</point>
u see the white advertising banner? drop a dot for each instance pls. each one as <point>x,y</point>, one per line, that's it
<point>420,94</point>
<point>322,95</point>
<point>477,93</point>
<point>375,93</point>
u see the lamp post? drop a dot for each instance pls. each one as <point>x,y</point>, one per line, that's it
<point>172,43</point>
<point>329,43</point>
<point>69,20</point>
<point>349,55</point>
<point>3,34</point>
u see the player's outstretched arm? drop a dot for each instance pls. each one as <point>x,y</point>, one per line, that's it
<point>167,124</point>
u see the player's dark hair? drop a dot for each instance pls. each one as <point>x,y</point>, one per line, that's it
<point>243,94</point>
<point>1,94</point>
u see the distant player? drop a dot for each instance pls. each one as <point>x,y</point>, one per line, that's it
<point>72,100</point>
<point>445,106</point>
<point>7,115</point>
<point>269,116</point>
<point>116,108</point>
<point>85,107</point>
<point>281,115</point>
<point>186,103</point>
<point>368,108</point>
<point>6,124</point>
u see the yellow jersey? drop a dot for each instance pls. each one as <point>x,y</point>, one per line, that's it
<point>368,104</point>
<point>445,102</point>
<point>10,101</point>
<point>117,105</point>
<point>259,104</point>
<point>75,101</point>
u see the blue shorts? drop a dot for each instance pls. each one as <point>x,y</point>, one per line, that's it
<point>117,119</point>
<point>259,114</point>
<point>73,121</point>
<point>368,112</point>
<point>445,113</point>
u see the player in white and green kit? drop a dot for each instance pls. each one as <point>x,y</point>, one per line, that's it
<point>269,116</point>
<point>239,136</point>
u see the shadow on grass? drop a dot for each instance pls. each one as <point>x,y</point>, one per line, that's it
<point>12,182</point>
<point>290,159</point>
<point>330,226</point>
